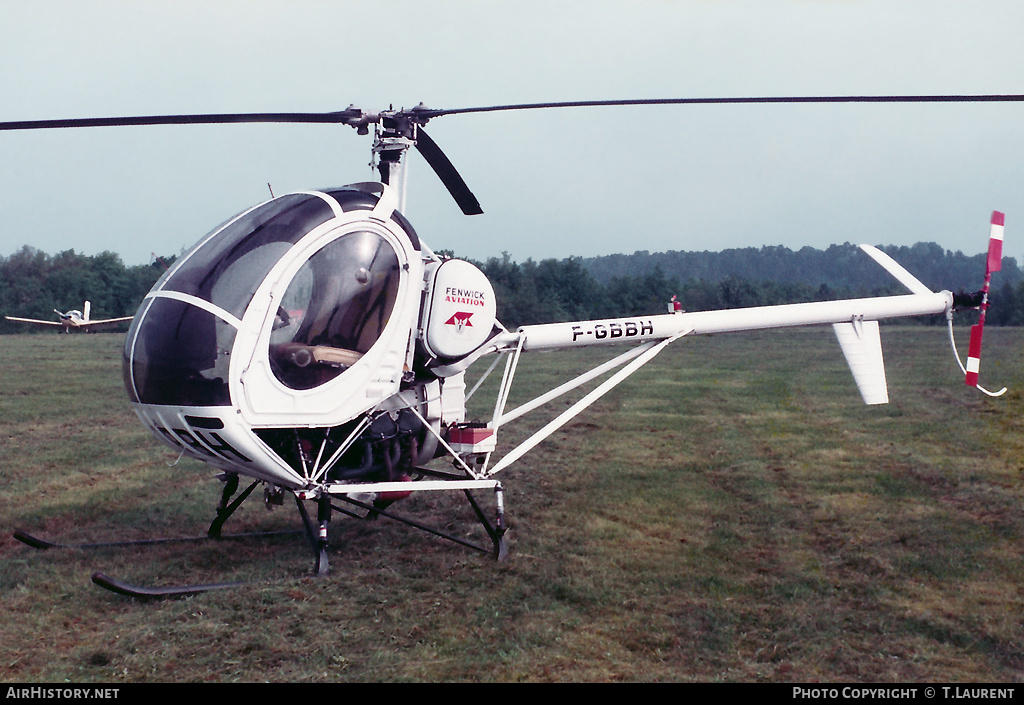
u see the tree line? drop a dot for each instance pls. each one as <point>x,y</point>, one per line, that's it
<point>643,283</point>
<point>33,283</point>
<point>839,266</point>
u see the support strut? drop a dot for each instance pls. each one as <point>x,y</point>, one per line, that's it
<point>225,510</point>
<point>324,517</point>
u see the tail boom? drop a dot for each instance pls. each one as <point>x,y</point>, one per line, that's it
<point>645,328</point>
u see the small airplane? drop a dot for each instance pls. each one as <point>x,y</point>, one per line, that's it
<point>317,346</point>
<point>75,320</point>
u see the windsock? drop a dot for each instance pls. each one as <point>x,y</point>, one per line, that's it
<point>992,264</point>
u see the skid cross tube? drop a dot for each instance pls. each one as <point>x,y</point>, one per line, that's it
<point>496,533</point>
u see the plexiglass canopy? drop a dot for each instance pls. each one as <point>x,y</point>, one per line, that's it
<point>334,309</point>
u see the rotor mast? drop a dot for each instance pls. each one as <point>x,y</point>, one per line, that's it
<point>394,134</point>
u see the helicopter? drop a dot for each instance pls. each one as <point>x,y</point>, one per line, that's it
<point>315,345</point>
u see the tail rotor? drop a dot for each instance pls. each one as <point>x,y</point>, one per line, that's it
<point>979,300</point>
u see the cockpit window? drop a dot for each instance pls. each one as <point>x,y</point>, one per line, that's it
<point>226,270</point>
<point>334,310</point>
<point>180,356</point>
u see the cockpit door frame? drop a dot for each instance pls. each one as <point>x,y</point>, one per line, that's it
<point>263,400</point>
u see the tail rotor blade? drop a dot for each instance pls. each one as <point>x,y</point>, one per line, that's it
<point>995,243</point>
<point>443,167</point>
<point>992,264</point>
<point>974,355</point>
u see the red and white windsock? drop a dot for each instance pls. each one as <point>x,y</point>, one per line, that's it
<point>992,264</point>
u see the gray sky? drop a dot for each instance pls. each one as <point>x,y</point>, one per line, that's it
<point>578,182</point>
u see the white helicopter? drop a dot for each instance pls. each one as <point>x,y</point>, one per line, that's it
<point>74,320</point>
<point>317,346</point>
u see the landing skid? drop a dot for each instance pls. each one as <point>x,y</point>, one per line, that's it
<point>141,591</point>
<point>316,533</point>
<point>43,544</point>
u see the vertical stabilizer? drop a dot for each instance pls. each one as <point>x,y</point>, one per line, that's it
<point>862,346</point>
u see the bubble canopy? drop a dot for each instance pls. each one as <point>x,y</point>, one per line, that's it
<point>340,282</point>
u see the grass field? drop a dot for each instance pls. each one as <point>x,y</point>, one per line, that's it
<point>731,513</point>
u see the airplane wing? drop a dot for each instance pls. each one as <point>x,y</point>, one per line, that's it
<point>33,320</point>
<point>104,322</point>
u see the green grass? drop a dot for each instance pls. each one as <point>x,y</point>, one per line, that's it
<point>733,512</point>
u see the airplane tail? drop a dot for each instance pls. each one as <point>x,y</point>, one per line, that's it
<point>85,311</point>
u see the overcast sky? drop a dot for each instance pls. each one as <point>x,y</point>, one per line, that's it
<point>552,183</point>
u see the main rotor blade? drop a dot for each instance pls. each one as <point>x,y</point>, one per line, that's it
<point>352,114</point>
<point>988,98</point>
<point>443,167</point>
<point>343,116</point>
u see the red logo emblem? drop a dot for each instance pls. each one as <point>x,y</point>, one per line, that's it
<point>460,320</point>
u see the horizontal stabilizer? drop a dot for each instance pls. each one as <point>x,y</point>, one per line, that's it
<point>894,268</point>
<point>862,346</point>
